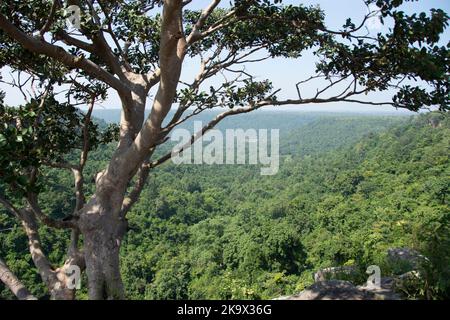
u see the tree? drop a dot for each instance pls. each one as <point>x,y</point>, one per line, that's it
<point>131,47</point>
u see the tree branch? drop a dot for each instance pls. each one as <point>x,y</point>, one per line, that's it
<point>39,46</point>
<point>10,207</point>
<point>34,242</point>
<point>57,224</point>
<point>13,283</point>
<point>68,40</point>
<point>205,129</point>
<point>172,53</point>
<point>50,18</point>
<point>263,103</point>
<point>31,230</point>
<point>195,33</point>
<point>133,197</point>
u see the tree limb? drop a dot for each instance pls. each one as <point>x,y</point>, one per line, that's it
<point>39,46</point>
<point>13,283</point>
<point>50,18</point>
<point>172,53</point>
<point>57,224</point>
<point>34,243</point>
<point>133,197</point>
<point>195,34</point>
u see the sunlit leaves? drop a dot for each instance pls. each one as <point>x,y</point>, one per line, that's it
<point>230,94</point>
<point>283,30</point>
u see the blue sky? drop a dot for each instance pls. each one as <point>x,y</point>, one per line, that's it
<point>286,72</point>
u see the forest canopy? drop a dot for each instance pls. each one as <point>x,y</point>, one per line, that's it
<point>225,232</point>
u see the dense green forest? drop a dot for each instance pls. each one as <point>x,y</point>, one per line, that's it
<point>349,188</point>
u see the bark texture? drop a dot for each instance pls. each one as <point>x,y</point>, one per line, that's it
<point>13,283</point>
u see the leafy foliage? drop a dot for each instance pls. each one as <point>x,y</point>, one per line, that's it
<point>34,134</point>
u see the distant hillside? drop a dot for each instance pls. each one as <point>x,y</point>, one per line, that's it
<point>268,119</point>
<point>329,132</point>
<point>301,133</point>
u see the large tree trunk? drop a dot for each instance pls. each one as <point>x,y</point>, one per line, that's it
<point>103,228</point>
<point>102,221</point>
<point>101,247</point>
<point>102,267</point>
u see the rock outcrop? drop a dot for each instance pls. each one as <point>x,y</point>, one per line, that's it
<point>405,255</point>
<point>345,290</point>
<point>327,273</point>
<point>331,290</point>
<point>384,289</point>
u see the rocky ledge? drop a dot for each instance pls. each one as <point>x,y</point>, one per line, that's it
<point>345,290</point>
